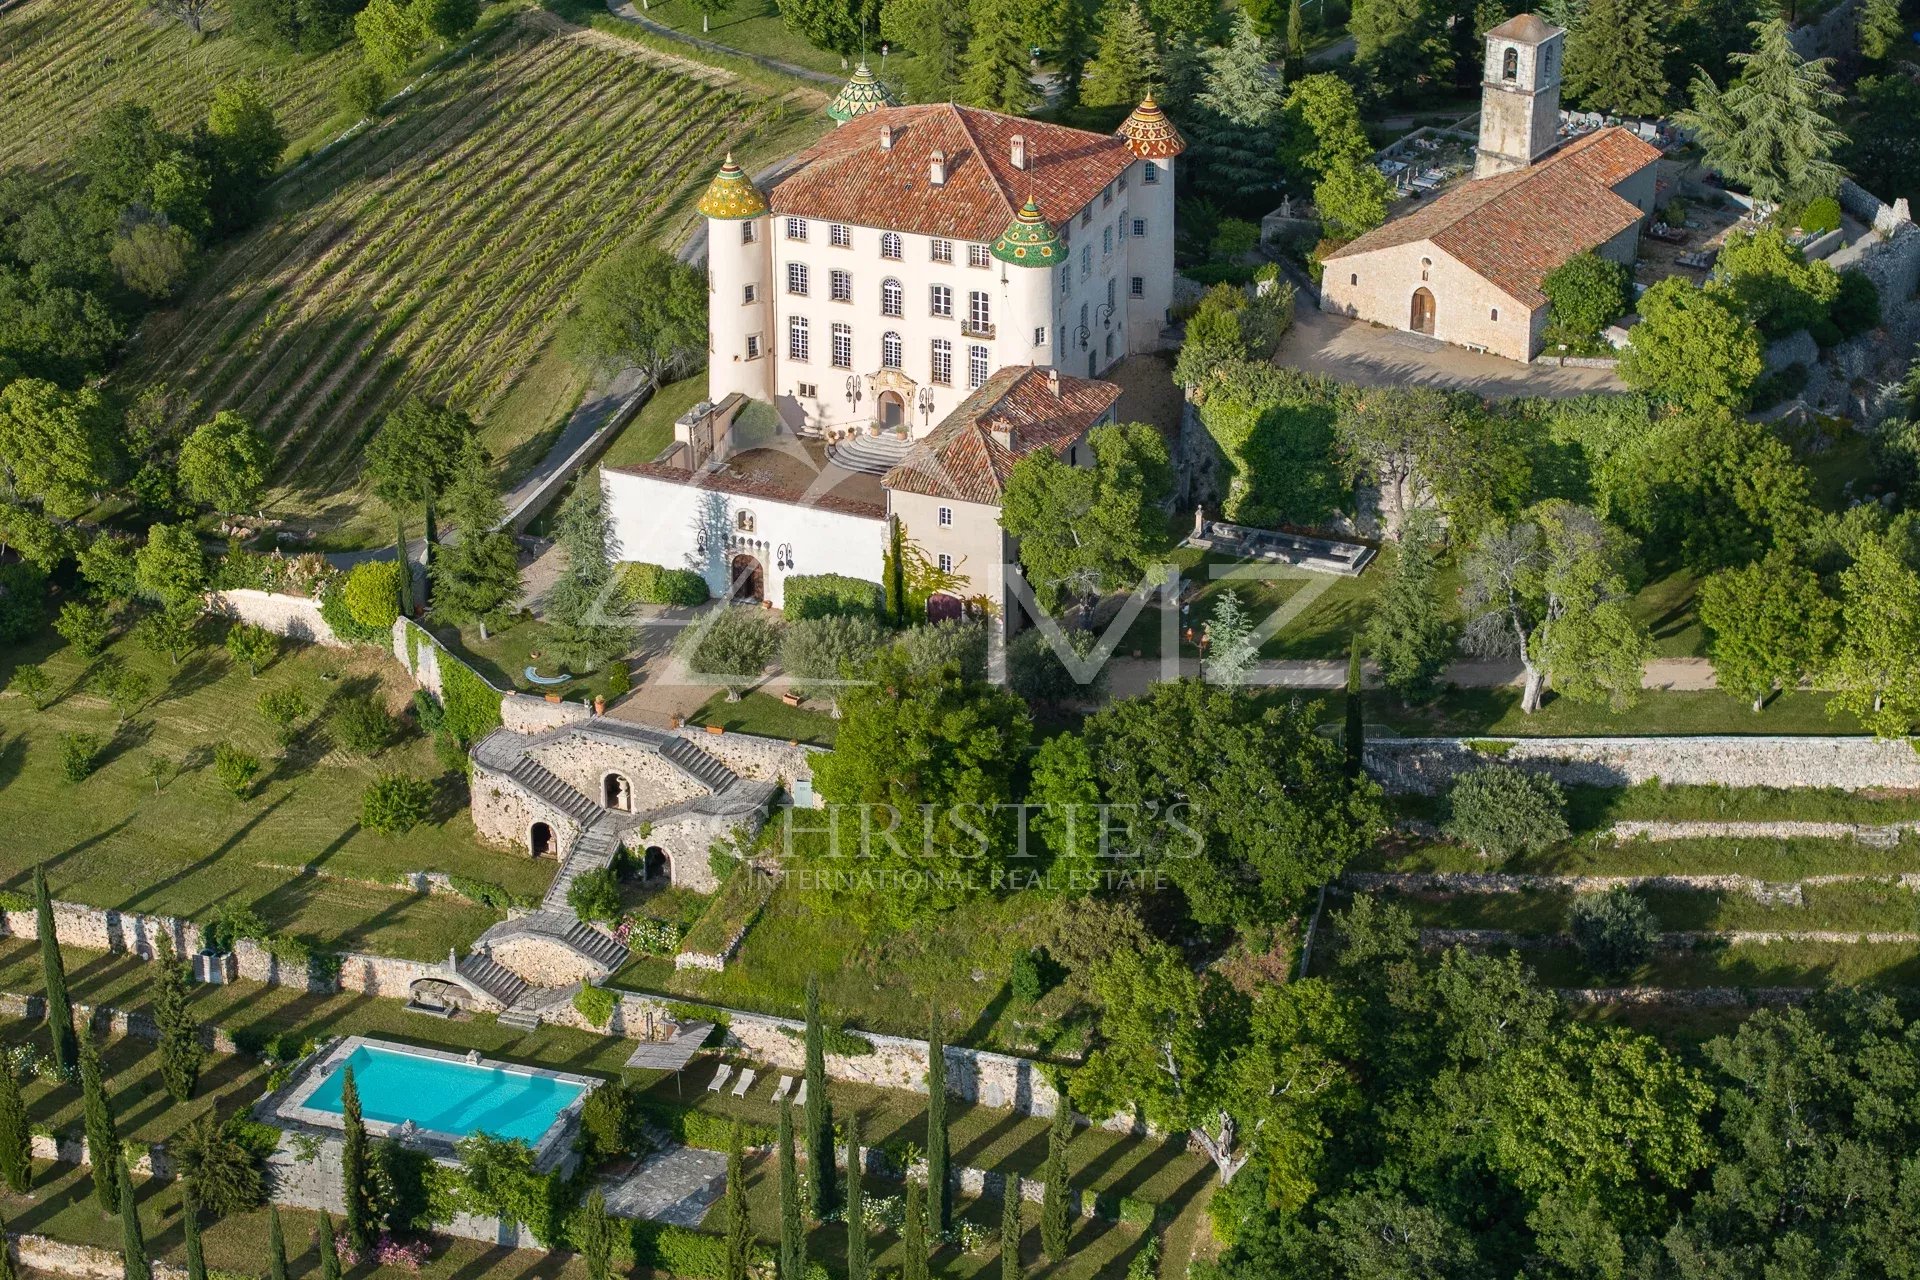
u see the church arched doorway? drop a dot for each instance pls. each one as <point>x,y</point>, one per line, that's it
<point>893,410</point>
<point>1422,318</point>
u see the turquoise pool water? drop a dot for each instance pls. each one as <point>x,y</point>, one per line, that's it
<point>447,1097</point>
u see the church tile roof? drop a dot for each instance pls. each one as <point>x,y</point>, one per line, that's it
<point>849,177</point>
<point>1514,228</point>
<point>964,457</point>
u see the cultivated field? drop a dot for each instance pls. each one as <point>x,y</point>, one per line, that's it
<point>438,252</point>
<point>64,62</point>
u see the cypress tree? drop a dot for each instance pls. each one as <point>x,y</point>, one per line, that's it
<point>596,1244</point>
<point>1356,714</point>
<point>1296,42</point>
<point>1053,1207</point>
<point>7,1271</point>
<point>793,1234</point>
<point>939,1193</point>
<point>329,1249</point>
<point>1010,1227</point>
<point>856,1204</point>
<point>190,1231</point>
<point>276,1246</point>
<point>353,1167</point>
<point>913,1236</point>
<point>103,1139</point>
<point>54,978</point>
<point>135,1265</point>
<point>16,1140</point>
<point>819,1117</point>
<point>180,1050</point>
<point>739,1220</point>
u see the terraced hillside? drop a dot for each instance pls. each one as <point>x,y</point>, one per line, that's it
<point>63,62</point>
<point>438,252</point>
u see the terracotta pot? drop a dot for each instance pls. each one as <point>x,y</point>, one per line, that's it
<point>553,697</point>
<point>599,705</point>
<point>674,722</point>
<point>716,729</point>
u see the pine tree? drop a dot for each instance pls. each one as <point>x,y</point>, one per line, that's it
<point>477,578</point>
<point>1772,129</point>
<point>1010,1226</point>
<point>190,1232</point>
<point>103,1139</point>
<point>181,1052</point>
<point>1356,712</point>
<point>1296,42</point>
<point>353,1167</point>
<point>1881,29</point>
<point>1401,43</point>
<point>856,1203</point>
<point>739,1217</point>
<point>1054,1225</point>
<point>939,1193</point>
<point>596,1237</point>
<point>276,1246</point>
<point>1126,60</point>
<point>819,1116</point>
<point>586,612</point>
<point>997,74</point>
<point>1237,126</point>
<point>913,1236</point>
<point>793,1233</point>
<point>1616,60</point>
<point>329,1248</point>
<point>134,1265</point>
<point>54,978</point>
<point>1232,648</point>
<point>16,1139</point>
<point>1405,634</point>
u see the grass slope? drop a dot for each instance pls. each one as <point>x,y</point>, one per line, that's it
<point>294,851</point>
<point>438,251</point>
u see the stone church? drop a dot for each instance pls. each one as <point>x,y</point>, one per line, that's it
<point>1467,267</point>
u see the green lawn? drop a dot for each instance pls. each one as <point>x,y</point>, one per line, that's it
<point>293,851</point>
<point>767,716</point>
<point>1766,859</point>
<point>1866,907</point>
<point>1319,612</point>
<point>754,27</point>
<point>1656,712</point>
<point>502,658</point>
<point>651,430</point>
<point>1598,808</point>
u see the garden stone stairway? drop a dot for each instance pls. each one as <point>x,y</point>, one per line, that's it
<point>498,981</point>
<point>545,784</point>
<point>593,851</point>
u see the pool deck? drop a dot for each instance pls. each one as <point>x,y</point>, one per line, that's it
<point>287,1107</point>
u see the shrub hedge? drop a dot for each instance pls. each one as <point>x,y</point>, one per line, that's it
<point>657,584</point>
<point>821,595</point>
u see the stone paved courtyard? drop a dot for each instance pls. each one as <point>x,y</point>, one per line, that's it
<point>676,1185</point>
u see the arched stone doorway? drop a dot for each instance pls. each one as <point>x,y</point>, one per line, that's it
<point>745,574</point>
<point>617,792</point>
<point>942,607</point>
<point>1422,319</point>
<point>893,409</point>
<point>540,840</point>
<point>657,866</point>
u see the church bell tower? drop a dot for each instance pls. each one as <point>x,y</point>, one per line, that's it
<point>1520,95</point>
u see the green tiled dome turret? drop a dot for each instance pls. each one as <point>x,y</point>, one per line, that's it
<point>1029,241</point>
<point>732,195</point>
<point>861,94</point>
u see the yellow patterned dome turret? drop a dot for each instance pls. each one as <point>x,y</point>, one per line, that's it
<point>1029,241</point>
<point>862,94</point>
<point>732,194</point>
<point>1149,134</point>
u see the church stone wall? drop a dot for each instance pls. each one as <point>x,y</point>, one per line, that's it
<point>1379,286</point>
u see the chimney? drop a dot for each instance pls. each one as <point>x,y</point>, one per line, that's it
<point>937,169</point>
<point>1019,149</point>
<point>1053,382</point>
<point>886,137</point>
<point>1002,432</point>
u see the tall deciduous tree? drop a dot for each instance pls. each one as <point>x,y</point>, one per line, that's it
<point>641,309</point>
<point>181,1052</point>
<point>1323,126</point>
<point>56,446</point>
<point>103,1138</point>
<point>1693,347</point>
<point>840,26</point>
<point>224,463</point>
<point>1551,590</point>
<point>1768,625</point>
<point>1237,122</point>
<point>411,461</point>
<point>1616,60</point>
<point>1126,60</point>
<point>53,979</point>
<point>819,1110</point>
<point>1400,43</point>
<point>1351,198</point>
<point>170,568</point>
<point>939,1186</point>
<point>1085,531</point>
<point>1772,129</point>
<point>1876,666</point>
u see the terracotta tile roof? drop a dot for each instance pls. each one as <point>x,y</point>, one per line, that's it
<point>1524,27</point>
<point>963,458</point>
<point>1516,227</point>
<point>848,177</point>
<point>832,489</point>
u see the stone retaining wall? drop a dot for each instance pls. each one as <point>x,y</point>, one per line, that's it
<point>1425,766</point>
<point>295,617</point>
<point>525,713</point>
<point>41,1253</point>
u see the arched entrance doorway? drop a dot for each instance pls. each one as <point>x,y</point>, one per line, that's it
<point>1422,318</point>
<point>618,793</point>
<point>540,840</point>
<point>745,574</point>
<point>893,409</point>
<point>942,607</point>
<point>657,865</point>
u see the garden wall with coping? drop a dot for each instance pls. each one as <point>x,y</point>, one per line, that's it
<point>1425,766</point>
<point>295,617</point>
<point>41,1253</point>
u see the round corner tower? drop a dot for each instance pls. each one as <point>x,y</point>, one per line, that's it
<point>739,287</point>
<point>1154,142</point>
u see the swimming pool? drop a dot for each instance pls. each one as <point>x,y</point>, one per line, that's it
<point>445,1094</point>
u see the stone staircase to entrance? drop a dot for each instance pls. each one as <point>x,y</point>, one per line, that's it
<point>593,851</point>
<point>875,455</point>
<point>547,785</point>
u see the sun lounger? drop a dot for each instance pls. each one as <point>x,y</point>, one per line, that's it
<point>745,1083</point>
<point>720,1078</point>
<point>782,1089</point>
<point>800,1098</point>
